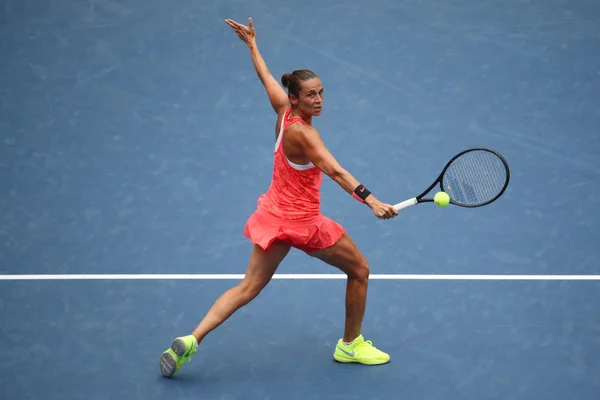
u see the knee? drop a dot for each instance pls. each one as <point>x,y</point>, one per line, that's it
<point>250,289</point>
<point>361,270</point>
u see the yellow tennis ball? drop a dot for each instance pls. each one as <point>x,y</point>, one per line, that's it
<point>441,199</point>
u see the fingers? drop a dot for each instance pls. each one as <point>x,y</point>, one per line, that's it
<point>386,212</point>
<point>389,215</point>
<point>239,29</point>
<point>235,25</point>
<point>244,32</point>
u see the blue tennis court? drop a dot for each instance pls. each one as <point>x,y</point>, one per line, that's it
<point>135,138</point>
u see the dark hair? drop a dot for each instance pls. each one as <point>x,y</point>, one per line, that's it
<point>292,81</point>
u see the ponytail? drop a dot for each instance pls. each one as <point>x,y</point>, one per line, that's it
<point>292,81</point>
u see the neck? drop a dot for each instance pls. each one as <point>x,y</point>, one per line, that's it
<point>297,113</point>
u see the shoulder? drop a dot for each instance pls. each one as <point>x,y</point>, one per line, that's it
<point>303,134</point>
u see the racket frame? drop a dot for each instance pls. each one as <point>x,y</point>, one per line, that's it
<point>439,180</point>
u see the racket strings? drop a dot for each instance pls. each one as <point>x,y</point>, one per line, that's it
<point>475,177</point>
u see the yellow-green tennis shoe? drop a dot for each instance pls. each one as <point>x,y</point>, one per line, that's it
<point>182,349</point>
<point>359,351</point>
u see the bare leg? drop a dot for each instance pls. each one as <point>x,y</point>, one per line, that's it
<point>261,267</point>
<point>346,256</point>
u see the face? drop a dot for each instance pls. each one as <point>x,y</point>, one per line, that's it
<point>310,98</point>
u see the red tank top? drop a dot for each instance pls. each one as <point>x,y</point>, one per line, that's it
<point>294,192</point>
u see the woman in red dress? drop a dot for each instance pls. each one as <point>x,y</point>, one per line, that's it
<point>288,215</point>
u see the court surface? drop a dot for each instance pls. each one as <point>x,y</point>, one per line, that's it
<point>135,139</point>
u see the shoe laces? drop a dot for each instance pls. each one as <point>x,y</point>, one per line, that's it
<point>365,343</point>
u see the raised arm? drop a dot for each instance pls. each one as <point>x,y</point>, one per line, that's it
<point>317,153</point>
<point>277,95</point>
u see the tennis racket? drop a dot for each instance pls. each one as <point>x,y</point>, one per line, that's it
<point>472,178</point>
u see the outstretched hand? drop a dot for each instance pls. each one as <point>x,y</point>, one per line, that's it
<point>381,210</point>
<point>246,33</point>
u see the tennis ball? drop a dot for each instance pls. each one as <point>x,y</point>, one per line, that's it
<point>441,199</point>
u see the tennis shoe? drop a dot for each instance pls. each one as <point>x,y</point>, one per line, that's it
<point>359,351</point>
<point>182,349</point>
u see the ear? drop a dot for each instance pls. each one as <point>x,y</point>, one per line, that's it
<point>293,99</point>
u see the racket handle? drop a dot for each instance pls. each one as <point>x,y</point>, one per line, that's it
<point>406,203</point>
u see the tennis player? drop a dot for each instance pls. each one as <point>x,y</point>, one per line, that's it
<point>288,215</point>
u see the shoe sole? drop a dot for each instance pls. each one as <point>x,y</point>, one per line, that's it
<point>341,359</point>
<point>179,347</point>
<point>167,365</point>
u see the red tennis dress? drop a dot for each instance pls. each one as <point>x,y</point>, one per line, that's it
<point>290,210</point>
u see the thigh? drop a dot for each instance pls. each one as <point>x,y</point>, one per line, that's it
<point>264,263</point>
<point>344,254</point>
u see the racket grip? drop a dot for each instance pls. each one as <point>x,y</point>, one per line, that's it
<point>406,203</point>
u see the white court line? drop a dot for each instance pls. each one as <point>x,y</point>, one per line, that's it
<point>435,277</point>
